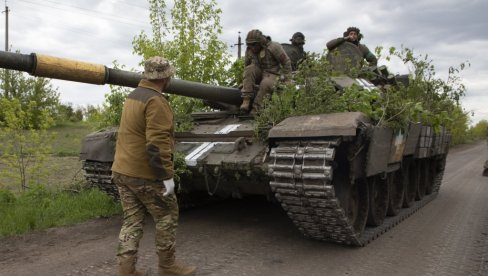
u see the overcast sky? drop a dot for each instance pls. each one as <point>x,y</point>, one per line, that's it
<point>449,31</point>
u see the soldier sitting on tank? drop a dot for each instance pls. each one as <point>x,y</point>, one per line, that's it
<point>353,35</point>
<point>295,50</point>
<point>265,63</point>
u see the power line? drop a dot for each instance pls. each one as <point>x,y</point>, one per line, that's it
<point>23,15</point>
<point>129,4</point>
<point>88,12</point>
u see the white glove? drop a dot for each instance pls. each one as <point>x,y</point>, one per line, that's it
<point>170,186</point>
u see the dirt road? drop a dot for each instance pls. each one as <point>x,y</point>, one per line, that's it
<point>449,236</point>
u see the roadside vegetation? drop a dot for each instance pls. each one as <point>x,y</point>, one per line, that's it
<point>41,182</point>
<point>40,208</point>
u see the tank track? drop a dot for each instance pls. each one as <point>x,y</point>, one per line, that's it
<point>301,179</point>
<point>99,175</point>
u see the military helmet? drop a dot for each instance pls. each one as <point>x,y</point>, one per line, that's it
<point>156,68</point>
<point>298,38</point>
<point>255,36</point>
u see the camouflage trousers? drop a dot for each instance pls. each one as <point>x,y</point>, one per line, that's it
<point>254,75</point>
<point>139,196</point>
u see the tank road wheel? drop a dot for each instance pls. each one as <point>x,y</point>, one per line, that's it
<point>357,205</point>
<point>397,192</point>
<point>378,200</point>
<point>410,182</point>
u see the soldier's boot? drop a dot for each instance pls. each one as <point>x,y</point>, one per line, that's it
<point>127,267</point>
<point>168,266</point>
<point>246,102</point>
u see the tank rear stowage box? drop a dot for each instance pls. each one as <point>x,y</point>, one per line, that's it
<point>338,177</point>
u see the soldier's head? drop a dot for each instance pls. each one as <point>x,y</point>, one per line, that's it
<point>354,33</point>
<point>158,69</point>
<point>298,39</point>
<point>255,40</point>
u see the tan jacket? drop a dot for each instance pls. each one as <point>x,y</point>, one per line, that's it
<point>145,139</point>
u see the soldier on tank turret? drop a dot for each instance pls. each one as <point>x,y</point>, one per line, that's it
<point>265,62</point>
<point>354,36</point>
<point>295,50</point>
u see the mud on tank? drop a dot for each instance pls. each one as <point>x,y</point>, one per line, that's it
<point>338,177</point>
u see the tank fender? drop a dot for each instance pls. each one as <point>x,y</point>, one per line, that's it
<point>99,146</point>
<point>322,125</point>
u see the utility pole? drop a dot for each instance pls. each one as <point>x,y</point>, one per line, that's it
<point>6,80</point>
<point>6,26</point>
<point>239,43</point>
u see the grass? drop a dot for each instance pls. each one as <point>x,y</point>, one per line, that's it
<point>40,209</point>
<point>67,141</point>
<point>63,167</point>
<point>50,204</point>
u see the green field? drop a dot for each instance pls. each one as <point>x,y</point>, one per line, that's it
<point>62,167</point>
<point>59,196</point>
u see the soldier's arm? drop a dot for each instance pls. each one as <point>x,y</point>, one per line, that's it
<point>159,137</point>
<point>368,55</point>
<point>285,62</point>
<point>331,45</point>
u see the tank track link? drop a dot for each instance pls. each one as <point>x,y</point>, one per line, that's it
<point>301,179</point>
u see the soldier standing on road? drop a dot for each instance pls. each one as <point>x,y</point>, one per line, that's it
<point>143,171</point>
<point>265,62</point>
<point>353,35</point>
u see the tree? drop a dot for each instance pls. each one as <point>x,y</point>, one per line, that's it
<point>109,115</point>
<point>15,85</point>
<point>66,113</point>
<point>188,37</point>
<point>24,148</point>
<point>480,130</point>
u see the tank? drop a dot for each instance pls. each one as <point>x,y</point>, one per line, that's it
<point>338,177</point>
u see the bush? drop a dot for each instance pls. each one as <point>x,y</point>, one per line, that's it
<point>6,196</point>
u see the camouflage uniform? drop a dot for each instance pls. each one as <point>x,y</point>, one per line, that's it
<point>138,196</point>
<point>264,69</point>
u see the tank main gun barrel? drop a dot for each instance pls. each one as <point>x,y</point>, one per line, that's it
<point>71,70</point>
